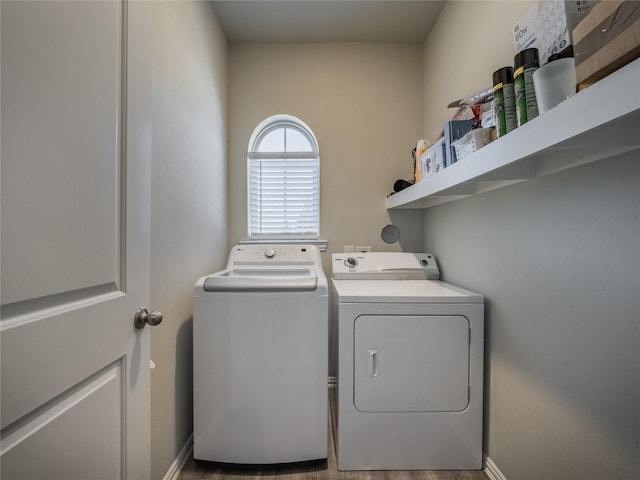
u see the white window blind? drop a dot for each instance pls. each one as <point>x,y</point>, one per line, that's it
<point>283,181</point>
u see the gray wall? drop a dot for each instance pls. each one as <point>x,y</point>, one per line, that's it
<point>364,104</point>
<point>189,207</point>
<point>558,259</point>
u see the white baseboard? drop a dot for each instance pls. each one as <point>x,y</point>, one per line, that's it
<point>492,470</point>
<point>181,460</point>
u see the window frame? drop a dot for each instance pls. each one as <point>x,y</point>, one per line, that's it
<point>264,128</point>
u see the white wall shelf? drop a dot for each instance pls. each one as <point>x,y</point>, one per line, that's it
<point>597,123</point>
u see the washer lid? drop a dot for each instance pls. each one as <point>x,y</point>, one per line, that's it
<point>261,280</point>
<point>402,291</point>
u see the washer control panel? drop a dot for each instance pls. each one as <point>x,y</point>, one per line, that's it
<point>385,265</point>
<point>274,254</point>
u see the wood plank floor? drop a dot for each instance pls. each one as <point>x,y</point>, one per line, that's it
<point>321,470</point>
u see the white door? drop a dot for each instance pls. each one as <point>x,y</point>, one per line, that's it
<point>75,239</point>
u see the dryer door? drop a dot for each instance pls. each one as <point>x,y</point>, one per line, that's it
<point>411,363</point>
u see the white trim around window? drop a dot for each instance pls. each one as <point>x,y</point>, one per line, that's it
<point>283,182</point>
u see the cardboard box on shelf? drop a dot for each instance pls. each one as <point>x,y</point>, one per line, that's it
<point>472,142</point>
<point>453,130</point>
<point>548,25</point>
<point>431,161</point>
<point>606,39</point>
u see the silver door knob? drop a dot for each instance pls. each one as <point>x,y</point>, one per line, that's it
<point>143,317</point>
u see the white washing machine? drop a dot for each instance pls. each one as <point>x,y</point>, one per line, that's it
<point>260,349</point>
<point>410,365</point>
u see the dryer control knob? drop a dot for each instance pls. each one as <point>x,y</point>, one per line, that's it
<point>350,262</point>
<point>269,253</point>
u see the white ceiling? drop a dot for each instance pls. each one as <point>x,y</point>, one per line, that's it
<point>306,21</point>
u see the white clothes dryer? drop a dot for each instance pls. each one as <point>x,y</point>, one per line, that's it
<point>410,365</point>
<point>260,350</point>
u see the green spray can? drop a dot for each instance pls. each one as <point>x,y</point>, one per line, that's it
<point>504,100</point>
<point>525,63</point>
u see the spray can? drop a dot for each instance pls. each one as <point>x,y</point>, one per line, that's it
<point>504,100</point>
<point>525,63</point>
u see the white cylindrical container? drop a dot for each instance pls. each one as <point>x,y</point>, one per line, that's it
<point>554,83</point>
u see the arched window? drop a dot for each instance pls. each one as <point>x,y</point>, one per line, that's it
<point>283,181</point>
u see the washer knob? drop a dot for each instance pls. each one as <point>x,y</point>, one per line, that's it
<point>351,262</point>
<point>269,253</point>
